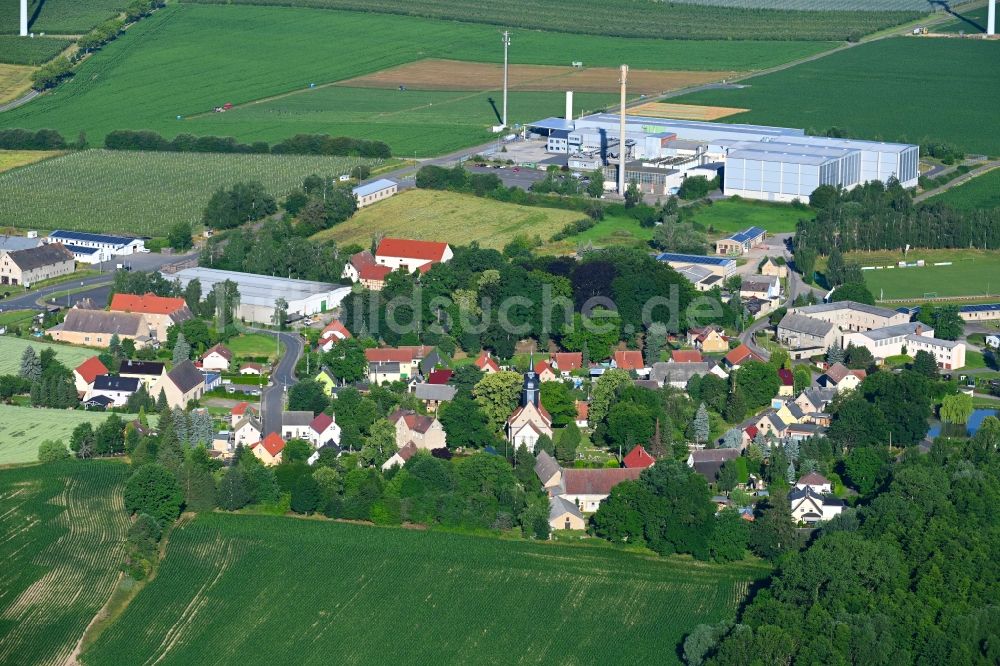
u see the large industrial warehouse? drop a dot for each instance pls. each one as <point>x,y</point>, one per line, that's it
<point>259,293</point>
<point>754,161</point>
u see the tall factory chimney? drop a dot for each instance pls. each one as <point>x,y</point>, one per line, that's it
<point>506,44</point>
<point>24,18</point>
<point>621,136</point>
<point>569,105</point>
<point>991,19</point>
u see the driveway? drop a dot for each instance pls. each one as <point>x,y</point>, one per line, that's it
<point>282,377</point>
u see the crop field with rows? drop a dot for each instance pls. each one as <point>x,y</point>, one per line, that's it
<point>15,50</point>
<point>648,18</point>
<point>980,192</point>
<point>187,59</point>
<point>60,17</point>
<point>939,80</point>
<point>143,193</point>
<point>266,590</point>
<point>64,529</point>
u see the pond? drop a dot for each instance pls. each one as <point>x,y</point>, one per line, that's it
<point>956,430</point>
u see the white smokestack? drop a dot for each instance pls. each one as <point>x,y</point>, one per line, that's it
<point>621,135</point>
<point>24,18</point>
<point>569,105</point>
<point>991,18</point>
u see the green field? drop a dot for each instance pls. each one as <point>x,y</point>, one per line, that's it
<point>938,81</point>
<point>22,429</point>
<point>731,215</point>
<point>180,62</point>
<point>976,16</point>
<point>433,215</point>
<point>11,350</point>
<point>980,192</point>
<point>973,273</point>
<point>659,20</point>
<point>267,590</point>
<point>60,17</point>
<point>143,193</point>
<point>63,543</point>
<point>16,50</point>
<point>253,345</point>
<point>611,231</point>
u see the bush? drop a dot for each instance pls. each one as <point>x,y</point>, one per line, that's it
<point>154,490</point>
<point>20,139</point>
<point>52,451</point>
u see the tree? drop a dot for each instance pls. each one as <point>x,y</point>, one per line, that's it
<point>702,640</point>
<point>854,291</point>
<point>835,354</point>
<point>153,490</point>
<point>956,408</point>
<point>346,360</point>
<point>558,401</point>
<point>308,395</point>
<point>654,341</point>
<point>179,236</point>
<point>31,366</point>
<point>736,406</point>
<point>182,350</point>
<point>52,450</point>
<point>772,533</point>
<point>733,439</point>
<point>361,172</point>
<point>81,441</point>
<point>305,495</point>
<point>296,451</point>
<point>595,187</point>
<point>605,391</point>
<point>566,442</point>
<point>594,335</point>
<point>464,423</point>
<point>758,382</point>
<point>858,358</point>
<point>280,313</point>
<point>632,195</point>
<point>802,378</point>
<point>696,187</point>
<point>497,396</point>
<point>727,476</point>
<point>730,535</point>
<point>233,493</point>
<point>620,517</point>
<point>924,364</point>
<point>865,468</point>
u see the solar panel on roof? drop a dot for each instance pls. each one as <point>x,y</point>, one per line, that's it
<point>695,259</point>
<point>747,234</point>
<point>78,249</point>
<point>92,238</point>
<point>982,307</point>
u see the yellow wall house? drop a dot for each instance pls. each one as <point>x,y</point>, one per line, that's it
<point>95,328</point>
<point>181,385</point>
<point>34,264</point>
<point>326,379</point>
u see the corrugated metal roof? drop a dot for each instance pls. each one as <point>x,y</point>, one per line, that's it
<point>695,259</point>
<point>91,238</point>
<point>373,187</point>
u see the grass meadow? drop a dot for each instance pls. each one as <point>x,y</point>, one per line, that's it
<point>731,215</point>
<point>901,89</point>
<point>442,597</point>
<point>11,350</point>
<point>22,429</point>
<point>187,59</point>
<point>980,192</point>
<point>457,218</point>
<point>143,193</point>
<point>64,528</point>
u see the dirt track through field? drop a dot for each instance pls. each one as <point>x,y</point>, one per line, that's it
<point>435,74</point>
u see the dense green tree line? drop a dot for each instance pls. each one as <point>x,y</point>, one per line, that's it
<point>300,144</point>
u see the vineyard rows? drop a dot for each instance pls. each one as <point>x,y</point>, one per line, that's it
<point>271,590</point>
<point>64,529</point>
<point>623,18</point>
<point>143,193</point>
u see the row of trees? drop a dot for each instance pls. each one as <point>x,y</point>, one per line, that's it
<point>300,144</point>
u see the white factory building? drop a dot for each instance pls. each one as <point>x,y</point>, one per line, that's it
<point>259,293</point>
<point>754,161</point>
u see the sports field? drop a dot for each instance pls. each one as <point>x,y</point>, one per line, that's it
<point>980,192</point>
<point>187,59</point>
<point>143,193</point>
<point>972,273</point>
<point>266,590</point>
<point>63,529</point>
<point>11,350</point>
<point>457,218</point>
<point>901,89</point>
<point>731,215</point>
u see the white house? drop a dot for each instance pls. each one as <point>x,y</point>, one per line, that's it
<point>247,431</point>
<point>367,194</point>
<point>810,507</point>
<point>400,457</point>
<point>818,483</point>
<point>118,389</point>
<point>411,255</point>
<point>217,358</point>
<point>297,425</point>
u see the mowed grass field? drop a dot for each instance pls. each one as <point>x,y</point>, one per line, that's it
<point>11,350</point>
<point>187,59</point>
<point>972,273</point>
<point>253,344</point>
<point>457,218</point>
<point>143,193</point>
<point>980,192</point>
<point>902,89</point>
<point>22,429</point>
<point>731,215</point>
<point>64,528</point>
<point>267,590</point>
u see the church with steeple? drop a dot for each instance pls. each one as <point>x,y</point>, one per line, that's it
<point>530,420</point>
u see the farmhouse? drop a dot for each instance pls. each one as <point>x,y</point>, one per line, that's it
<point>587,488</point>
<point>424,432</point>
<point>181,385</point>
<point>95,328</point>
<point>31,265</point>
<point>95,248</point>
<point>638,458</point>
<point>760,286</point>
<point>115,388</point>
<point>375,191</point>
<point>85,373</point>
<point>251,369</point>
<point>296,425</point>
<point>565,515</point>
<point>269,449</point>
<point>363,268</point>
<point>323,430</point>
<point>147,372</point>
<point>677,374</point>
<point>239,411</point>
<point>840,377</point>
<point>411,255</point>
<point>333,333</point>
<point>217,357</point>
<point>738,356</point>
<point>818,483</point>
<point>432,395</point>
<point>770,267</point>
<point>160,313</point>
<point>406,359</point>
<point>259,293</point>
<point>686,356</point>
<point>567,362</point>
<point>630,361</point>
<point>798,332</point>
<point>740,243</point>
<point>246,431</point>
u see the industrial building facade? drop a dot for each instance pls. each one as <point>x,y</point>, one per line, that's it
<point>759,162</point>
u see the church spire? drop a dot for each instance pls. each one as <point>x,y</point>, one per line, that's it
<point>530,390</point>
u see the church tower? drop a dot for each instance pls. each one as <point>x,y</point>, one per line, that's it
<point>530,391</point>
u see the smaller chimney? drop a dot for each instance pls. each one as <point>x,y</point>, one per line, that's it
<point>569,105</point>
<point>991,19</point>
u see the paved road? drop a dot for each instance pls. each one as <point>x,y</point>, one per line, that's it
<point>272,399</point>
<point>989,166</point>
<point>28,300</point>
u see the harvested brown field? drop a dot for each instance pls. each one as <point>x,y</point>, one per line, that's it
<point>15,80</point>
<point>685,111</point>
<point>432,74</point>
